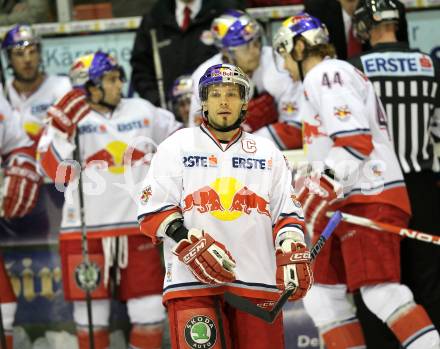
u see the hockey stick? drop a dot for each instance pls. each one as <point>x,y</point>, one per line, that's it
<point>158,68</point>
<point>221,328</point>
<point>87,274</point>
<point>247,306</point>
<point>2,74</point>
<point>389,228</point>
<point>2,331</point>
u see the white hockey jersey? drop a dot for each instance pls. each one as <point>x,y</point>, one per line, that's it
<point>240,193</point>
<point>31,110</point>
<point>345,128</point>
<point>266,78</point>
<point>115,150</point>
<point>12,137</point>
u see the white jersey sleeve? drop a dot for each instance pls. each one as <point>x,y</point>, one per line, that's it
<point>163,186</point>
<point>337,97</point>
<point>60,86</point>
<point>287,211</point>
<point>53,148</point>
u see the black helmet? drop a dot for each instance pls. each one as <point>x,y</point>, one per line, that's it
<point>372,12</point>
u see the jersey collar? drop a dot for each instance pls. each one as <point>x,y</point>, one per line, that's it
<point>233,140</point>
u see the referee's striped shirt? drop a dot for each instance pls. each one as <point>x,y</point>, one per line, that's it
<point>407,82</point>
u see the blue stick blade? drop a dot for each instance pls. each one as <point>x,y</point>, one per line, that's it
<point>331,226</point>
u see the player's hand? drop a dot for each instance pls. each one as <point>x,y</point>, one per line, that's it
<point>20,190</point>
<point>208,260</point>
<point>293,268</point>
<point>261,111</point>
<point>69,111</point>
<point>316,192</point>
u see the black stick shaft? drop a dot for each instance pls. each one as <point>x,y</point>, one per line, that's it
<point>84,243</point>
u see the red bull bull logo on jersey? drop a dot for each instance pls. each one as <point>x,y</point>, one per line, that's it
<point>312,131</point>
<point>289,107</point>
<point>226,199</point>
<point>204,200</point>
<point>342,112</point>
<point>116,155</point>
<point>246,200</point>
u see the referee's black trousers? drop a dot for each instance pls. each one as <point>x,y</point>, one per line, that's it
<point>420,260</point>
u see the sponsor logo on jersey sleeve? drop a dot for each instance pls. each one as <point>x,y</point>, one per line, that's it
<point>168,273</point>
<point>289,107</point>
<point>342,112</point>
<point>295,201</point>
<point>146,194</point>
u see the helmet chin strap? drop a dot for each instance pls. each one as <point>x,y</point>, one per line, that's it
<point>299,62</point>
<point>104,103</point>
<point>300,70</point>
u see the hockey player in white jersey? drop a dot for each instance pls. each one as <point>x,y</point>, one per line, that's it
<point>116,137</point>
<point>19,193</point>
<point>272,111</point>
<point>220,200</point>
<point>31,91</point>
<point>346,139</point>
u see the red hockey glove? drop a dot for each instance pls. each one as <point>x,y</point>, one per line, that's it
<point>20,190</point>
<point>316,192</point>
<point>293,268</point>
<point>261,111</point>
<point>68,111</point>
<point>207,259</point>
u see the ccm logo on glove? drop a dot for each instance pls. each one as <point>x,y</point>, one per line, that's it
<point>300,257</point>
<point>192,253</point>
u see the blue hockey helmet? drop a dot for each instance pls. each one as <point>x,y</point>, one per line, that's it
<point>234,28</point>
<point>305,26</point>
<point>92,67</point>
<point>20,35</point>
<point>224,73</point>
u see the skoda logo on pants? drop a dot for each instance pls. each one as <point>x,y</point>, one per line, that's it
<point>200,332</point>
